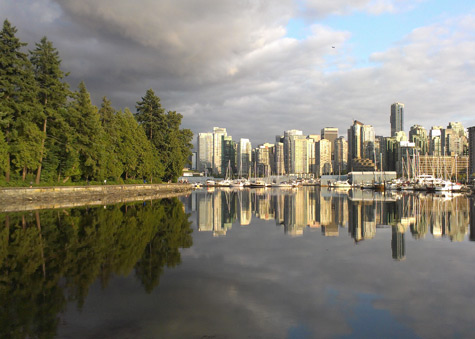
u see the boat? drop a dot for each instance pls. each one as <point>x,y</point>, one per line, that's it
<point>340,184</point>
<point>210,183</point>
<point>258,183</point>
<point>224,183</point>
<point>447,186</point>
<point>237,183</point>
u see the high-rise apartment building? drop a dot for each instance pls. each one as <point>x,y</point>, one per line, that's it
<point>244,157</point>
<point>299,154</point>
<point>218,142</point>
<point>418,135</point>
<point>229,157</point>
<point>323,157</point>
<point>341,155</point>
<point>361,140</point>
<point>471,152</point>
<point>397,118</point>
<point>435,143</point>
<point>205,152</point>
<point>288,156</point>
<point>279,155</point>
<point>265,159</point>
<point>330,133</point>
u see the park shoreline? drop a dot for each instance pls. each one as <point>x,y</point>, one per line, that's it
<point>15,199</point>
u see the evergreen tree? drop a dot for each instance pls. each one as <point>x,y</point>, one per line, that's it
<point>112,165</point>
<point>18,104</point>
<point>84,120</point>
<point>52,93</point>
<point>163,130</point>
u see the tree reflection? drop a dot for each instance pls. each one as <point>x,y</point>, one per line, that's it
<point>51,257</point>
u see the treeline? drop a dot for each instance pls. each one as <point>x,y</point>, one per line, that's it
<point>49,134</point>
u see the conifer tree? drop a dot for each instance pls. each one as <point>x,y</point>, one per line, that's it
<point>52,93</point>
<point>18,105</point>
<point>84,120</point>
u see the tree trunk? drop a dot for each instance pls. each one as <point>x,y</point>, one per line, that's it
<point>7,170</point>
<point>25,171</point>
<point>38,173</point>
<point>65,179</point>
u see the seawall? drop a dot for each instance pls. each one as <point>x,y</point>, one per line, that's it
<point>25,199</point>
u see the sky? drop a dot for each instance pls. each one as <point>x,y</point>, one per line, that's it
<point>258,68</point>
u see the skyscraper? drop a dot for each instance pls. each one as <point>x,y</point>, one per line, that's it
<point>218,142</point>
<point>471,155</point>
<point>331,133</point>
<point>397,118</point>
<point>205,151</point>
<point>244,157</point>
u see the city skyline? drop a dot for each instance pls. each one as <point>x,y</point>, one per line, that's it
<point>292,65</point>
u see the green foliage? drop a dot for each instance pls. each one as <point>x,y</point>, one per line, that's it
<point>163,131</point>
<point>63,137</point>
<point>18,108</point>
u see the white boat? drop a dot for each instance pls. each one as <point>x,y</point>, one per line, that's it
<point>340,184</point>
<point>448,186</point>
<point>224,183</point>
<point>237,183</point>
<point>210,183</point>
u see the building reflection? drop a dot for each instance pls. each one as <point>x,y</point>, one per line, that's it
<point>359,212</point>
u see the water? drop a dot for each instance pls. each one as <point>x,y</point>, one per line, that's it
<point>295,263</point>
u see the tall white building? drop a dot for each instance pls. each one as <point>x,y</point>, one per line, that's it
<point>205,152</point>
<point>288,156</point>
<point>218,140</point>
<point>323,157</point>
<point>244,157</point>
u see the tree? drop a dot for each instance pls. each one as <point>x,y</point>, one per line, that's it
<point>18,105</point>
<point>108,116</point>
<point>52,93</point>
<point>89,143</point>
<point>163,131</point>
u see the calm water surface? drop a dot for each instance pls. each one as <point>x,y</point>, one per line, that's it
<point>269,263</point>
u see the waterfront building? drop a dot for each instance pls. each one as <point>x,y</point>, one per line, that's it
<point>229,157</point>
<point>390,150</point>
<point>299,154</point>
<point>453,139</point>
<point>323,157</point>
<point>218,141</point>
<point>331,134</point>
<point>265,160</point>
<point>205,152</point>
<point>418,135</point>
<point>397,118</point>
<point>341,155</point>
<point>312,162</point>
<point>361,140</point>
<point>288,156</point>
<point>449,166</point>
<point>279,163</point>
<point>244,157</point>
<point>435,144</point>
<point>471,153</point>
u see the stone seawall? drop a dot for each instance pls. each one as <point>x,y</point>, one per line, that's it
<point>25,199</point>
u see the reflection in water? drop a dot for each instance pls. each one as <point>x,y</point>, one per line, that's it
<point>362,212</point>
<point>49,258</point>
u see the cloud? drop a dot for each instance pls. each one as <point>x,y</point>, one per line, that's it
<point>230,63</point>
